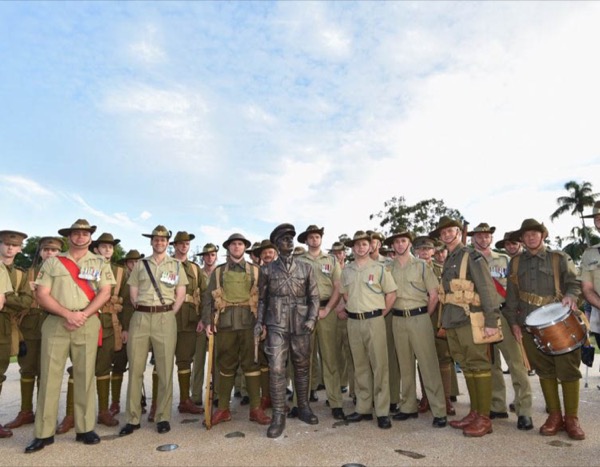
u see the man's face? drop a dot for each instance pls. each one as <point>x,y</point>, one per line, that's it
<point>48,253</point>
<point>482,240</point>
<point>375,245</point>
<point>9,251</point>
<point>79,239</point>
<point>340,256</point>
<point>236,249</point>
<point>440,255</point>
<point>597,221</point>
<point>285,243</point>
<point>182,248</point>
<point>424,252</point>
<point>313,240</point>
<point>449,234</point>
<point>268,255</point>
<point>210,258</point>
<point>532,239</point>
<point>361,248</point>
<point>512,248</point>
<point>401,245</point>
<point>130,263</point>
<point>159,244</point>
<point>105,250</point>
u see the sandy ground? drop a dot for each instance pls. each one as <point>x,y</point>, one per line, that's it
<point>240,442</point>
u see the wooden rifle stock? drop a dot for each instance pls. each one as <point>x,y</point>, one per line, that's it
<point>210,379</point>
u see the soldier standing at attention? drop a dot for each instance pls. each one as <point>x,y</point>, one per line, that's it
<point>17,301</point>
<point>157,288</point>
<point>538,277</point>
<point>187,321</point>
<point>416,300</point>
<point>369,291</point>
<point>327,273</point>
<point>466,269</point>
<point>120,359</point>
<point>71,287</point>
<point>30,325</point>
<point>5,287</point>
<point>233,298</point>
<point>209,263</point>
<point>482,237</point>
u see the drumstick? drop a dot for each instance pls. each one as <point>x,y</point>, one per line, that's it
<point>524,354</point>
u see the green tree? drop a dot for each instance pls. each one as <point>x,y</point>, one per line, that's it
<point>421,218</point>
<point>580,197</point>
<point>579,240</point>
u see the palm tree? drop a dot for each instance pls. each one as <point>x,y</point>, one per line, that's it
<point>580,197</point>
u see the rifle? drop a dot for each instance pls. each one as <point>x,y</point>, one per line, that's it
<point>210,378</point>
<point>465,230</point>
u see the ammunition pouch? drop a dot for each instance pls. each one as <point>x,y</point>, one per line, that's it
<point>537,300</point>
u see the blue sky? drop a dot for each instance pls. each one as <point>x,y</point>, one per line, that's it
<point>237,116</point>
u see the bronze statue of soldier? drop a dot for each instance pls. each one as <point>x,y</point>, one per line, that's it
<point>288,308</point>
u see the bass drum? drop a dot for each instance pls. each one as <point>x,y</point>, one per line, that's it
<point>556,329</point>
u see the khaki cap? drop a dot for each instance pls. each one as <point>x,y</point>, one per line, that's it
<point>482,228</point>
<point>159,231</point>
<point>310,229</point>
<point>12,237</point>
<point>132,255</point>
<point>209,248</point>
<point>445,221</point>
<point>182,236</point>
<point>595,211</point>
<point>80,224</point>
<point>236,236</point>
<point>532,224</point>
<point>388,241</point>
<point>51,242</point>
<point>423,241</point>
<point>358,235</point>
<point>106,238</point>
<point>337,246</point>
<point>508,237</point>
<point>264,245</point>
<point>379,236</point>
<point>299,250</point>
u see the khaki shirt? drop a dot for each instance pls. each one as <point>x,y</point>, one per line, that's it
<point>64,289</point>
<point>327,271</point>
<point>5,285</point>
<point>366,286</point>
<point>413,280</point>
<point>590,267</point>
<point>169,274</point>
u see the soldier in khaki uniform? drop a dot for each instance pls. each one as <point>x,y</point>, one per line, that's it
<point>328,273</point>
<point>119,366</point>
<point>590,274</point>
<point>17,302</point>
<point>157,288</point>
<point>5,339</point>
<point>72,287</point>
<point>540,276</point>
<point>345,364</point>
<point>473,358</point>
<point>232,295</point>
<point>416,300</point>
<point>424,247</point>
<point>30,325</point>
<point>369,291</point>
<point>209,261</point>
<point>482,236</point>
<point>187,321</point>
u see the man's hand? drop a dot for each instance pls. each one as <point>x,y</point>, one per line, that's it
<point>570,302</point>
<point>124,336</point>
<point>200,327</point>
<point>210,330</point>
<point>75,319</point>
<point>323,312</point>
<point>489,332</point>
<point>309,325</point>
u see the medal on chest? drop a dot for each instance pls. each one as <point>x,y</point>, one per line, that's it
<point>169,278</point>
<point>326,269</point>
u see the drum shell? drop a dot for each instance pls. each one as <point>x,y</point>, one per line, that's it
<point>560,335</point>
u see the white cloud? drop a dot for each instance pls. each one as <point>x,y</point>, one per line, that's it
<point>117,219</point>
<point>25,189</point>
<point>145,215</point>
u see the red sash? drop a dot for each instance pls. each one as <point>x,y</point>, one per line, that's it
<point>82,283</point>
<point>501,290</point>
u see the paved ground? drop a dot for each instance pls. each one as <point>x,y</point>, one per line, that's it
<point>413,442</point>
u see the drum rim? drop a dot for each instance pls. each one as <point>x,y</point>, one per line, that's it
<point>554,321</point>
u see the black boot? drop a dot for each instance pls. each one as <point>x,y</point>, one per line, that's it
<point>302,382</point>
<point>277,425</point>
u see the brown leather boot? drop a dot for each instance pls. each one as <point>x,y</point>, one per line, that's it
<point>479,427</point>
<point>5,432</point>
<point>115,408</point>
<point>573,428</point>
<point>449,407</point>
<point>152,412</point>
<point>423,404</point>
<point>106,418</point>
<point>24,417</point>
<point>67,424</point>
<point>259,416</point>
<point>221,415</point>
<point>554,423</point>
<point>464,421</point>
<point>188,406</point>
